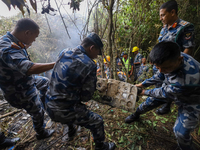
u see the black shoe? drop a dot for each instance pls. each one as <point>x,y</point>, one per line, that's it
<point>44,134</point>
<point>9,142</point>
<point>165,109</point>
<point>72,133</point>
<point>106,146</point>
<point>133,117</point>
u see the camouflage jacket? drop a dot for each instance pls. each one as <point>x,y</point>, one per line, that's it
<point>16,85</point>
<point>181,32</point>
<point>182,85</point>
<point>73,79</point>
<point>138,58</point>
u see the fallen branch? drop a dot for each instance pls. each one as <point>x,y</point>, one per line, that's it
<point>28,140</point>
<point>195,138</point>
<point>10,114</point>
<point>3,103</point>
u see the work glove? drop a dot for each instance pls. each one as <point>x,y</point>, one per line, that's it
<point>139,90</point>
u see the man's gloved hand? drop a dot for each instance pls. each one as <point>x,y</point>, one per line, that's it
<point>80,108</point>
<point>139,90</point>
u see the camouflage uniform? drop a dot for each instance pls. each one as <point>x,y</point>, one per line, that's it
<point>19,89</point>
<point>181,32</point>
<point>181,87</point>
<point>74,81</point>
<point>145,72</point>
<point>138,58</point>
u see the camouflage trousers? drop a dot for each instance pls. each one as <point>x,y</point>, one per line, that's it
<point>33,104</point>
<point>80,115</point>
<point>187,120</point>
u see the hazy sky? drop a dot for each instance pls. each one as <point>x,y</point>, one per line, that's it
<point>4,11</point>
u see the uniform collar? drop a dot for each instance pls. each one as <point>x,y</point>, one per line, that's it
<point>81,48</point>
<point>12,37</point>
<point>15,40</point>
<point>174,25</point>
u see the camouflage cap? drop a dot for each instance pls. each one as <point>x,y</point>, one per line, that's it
<point>125,53</point>
<point>96,39</point>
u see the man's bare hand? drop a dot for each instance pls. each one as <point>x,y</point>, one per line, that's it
<point>139,85</point>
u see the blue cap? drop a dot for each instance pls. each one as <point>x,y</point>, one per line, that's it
<point>96,39</point>
<point>124,53</point>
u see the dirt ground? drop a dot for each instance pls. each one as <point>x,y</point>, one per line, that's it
<point>151,132</point>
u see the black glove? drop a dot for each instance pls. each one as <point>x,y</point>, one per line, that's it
<point>139,90</point>
<point>80,108</point>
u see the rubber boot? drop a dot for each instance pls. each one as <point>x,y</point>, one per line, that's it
<point>44,134</point>
<point>7,142</point>
<point>165,109</point>
<point>192,146</point>
<point>133,117</point>
<point>105,146</point>
<point>72,132</point>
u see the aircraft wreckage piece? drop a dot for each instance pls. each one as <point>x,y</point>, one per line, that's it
<point>117,93</point>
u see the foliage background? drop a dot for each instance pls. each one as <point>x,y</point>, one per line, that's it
<point>122,24</point>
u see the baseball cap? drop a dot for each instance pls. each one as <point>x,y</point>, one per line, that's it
<point>96,39</point>
<point>125,53</point>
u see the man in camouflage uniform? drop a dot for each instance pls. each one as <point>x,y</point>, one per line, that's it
<point>180,74</point>
<point>176,30</point>
<point>145,72</point>
<point>20,87</point>
<point>137,61</point>
<point>73,81</point>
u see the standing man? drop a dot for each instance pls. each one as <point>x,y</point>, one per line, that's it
<point>145,71</point>
<point>128,63</point>
<point>176,30</point>
<point>73,81</point>
<point>20,87</point>
<point>137,61</point>
<point>180,74</point>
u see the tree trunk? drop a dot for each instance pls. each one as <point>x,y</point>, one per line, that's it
<point>110,28</point>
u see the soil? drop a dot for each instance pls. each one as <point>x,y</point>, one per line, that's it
<point>151,132</point>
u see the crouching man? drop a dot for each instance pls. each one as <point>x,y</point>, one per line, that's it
<point>18,82</point>
<point>180,74</point>
<point>74,81</point>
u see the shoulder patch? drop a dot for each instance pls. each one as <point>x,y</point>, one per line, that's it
<point>183,23</point>
<point>188,35</point>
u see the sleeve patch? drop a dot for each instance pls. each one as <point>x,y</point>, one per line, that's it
<point>188,35</point>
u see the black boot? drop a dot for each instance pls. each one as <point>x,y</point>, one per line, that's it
<point>105,146</point>
<point>72,132</point>
<point>44,134</point>
<point>165,109</point>
<point>133,117</point>
<point>7,142</point>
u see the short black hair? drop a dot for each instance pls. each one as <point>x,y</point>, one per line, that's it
<point>163,51</point>
<point>87,43</point>
<point>26,24</point>
<point>170,5</point>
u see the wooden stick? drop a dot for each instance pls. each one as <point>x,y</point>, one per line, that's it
<point>10,113</point>
<point>3,103</point>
